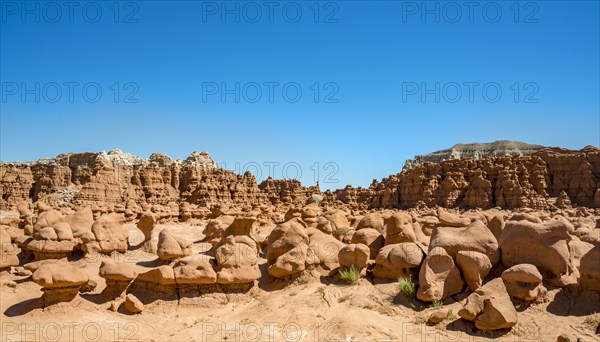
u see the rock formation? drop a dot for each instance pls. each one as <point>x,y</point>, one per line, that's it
<point>475,151</point>
<point>520,227</point>
<point>515,175</point>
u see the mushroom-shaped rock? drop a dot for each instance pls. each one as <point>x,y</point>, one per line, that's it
<point>80,221</point>
<point>289,263</point>
<point>452,220</point>
<point>496,225</point>
<point>48,219</point>
<point>370,237</point>
<point>400,228</point>
<point>60,281</point>
<point>337,218</point>
<point>590,269</point>
<point>162,276</point>
<point>545,245</point>
<point>439,277</point>
<point>324,225</point>
<point>578,249</point>
<point>215,228</point>
<point>428,224</point>
<point>195,269</point>
<point>371,220</point>
<point>474,266</point>
<point>51,249</point>
<point>146,224</point>
<point>63,231</point>
<point>284,238</point>
<point>243,226</point>
<point>523,281</point>
<point>476,237</point>
<point>237,263</point>
<point>490,307</point>
<point>171,246</point>
<point>110,234</point>
<point>8,251</point>
<point>354,255</point>
<point>118,276</point>
<point>398,260</point>
<point>53,242</point>
<point>323,249</point>
<point>118,271</point>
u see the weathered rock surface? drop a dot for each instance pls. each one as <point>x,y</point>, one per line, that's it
<point>439,277</point>
<point>398,260</point>
<point>105,181</point>
<point>132,304</point>
<point>490,307</point>
<point>354,255</point>
<point>590,269</point>
<point>474,266</point>
<point>171,246</point>
<point>545,245</point>
<point>474,238</point>
<point>60,281</point>
<point>523,281</point>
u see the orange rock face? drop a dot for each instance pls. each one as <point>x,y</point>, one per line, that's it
<point>117,182</point>
<point>509,182</point>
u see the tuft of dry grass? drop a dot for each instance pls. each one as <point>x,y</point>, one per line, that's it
<point>592,321</point>
<point>344,298</point>
<point>350,275</point>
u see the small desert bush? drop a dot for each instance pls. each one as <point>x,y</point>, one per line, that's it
<point>349,275</point>
<point>407,287</point>
<point>436,304</point>
<point>304,279</point>
<point>593,320</point>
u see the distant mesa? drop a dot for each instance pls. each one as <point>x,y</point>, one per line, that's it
<point>475,151</point>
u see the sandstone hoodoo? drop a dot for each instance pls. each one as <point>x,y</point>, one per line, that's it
<point>480,240</point>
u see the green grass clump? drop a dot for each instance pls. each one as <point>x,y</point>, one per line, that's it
<point>304,279</point>
<point>350,275</point>
<point>592,321</point>
<point>407,287</point>
<point>436,304</point>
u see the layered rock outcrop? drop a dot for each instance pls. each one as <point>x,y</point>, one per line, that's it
<point>119,181</point>
<point>534,181</point>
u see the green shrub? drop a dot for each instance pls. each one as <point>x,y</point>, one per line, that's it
<point>350,275</point>
<point>436,304</point>
<point>407,287</point>
<point>592,321</point>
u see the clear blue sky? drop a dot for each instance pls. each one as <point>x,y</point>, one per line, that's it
<point>370,61</point>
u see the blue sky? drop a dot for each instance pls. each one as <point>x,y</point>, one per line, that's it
<point>380,81</point>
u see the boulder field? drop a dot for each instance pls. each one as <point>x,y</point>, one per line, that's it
<point>492,236</point>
